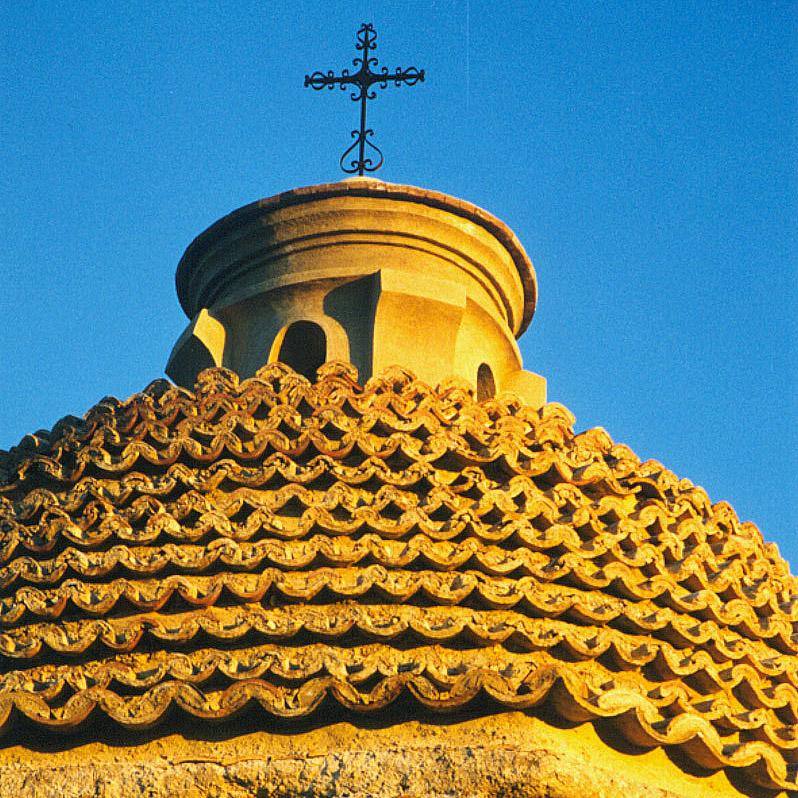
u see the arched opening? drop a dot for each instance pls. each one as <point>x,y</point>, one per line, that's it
<point>486,385</point>
<point>303,347</point>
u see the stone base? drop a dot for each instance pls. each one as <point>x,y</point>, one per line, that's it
<point>506,754</point>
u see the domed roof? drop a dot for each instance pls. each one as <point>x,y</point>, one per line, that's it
<point>276,542</point>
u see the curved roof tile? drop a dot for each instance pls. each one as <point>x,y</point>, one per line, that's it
<point>281,542</point>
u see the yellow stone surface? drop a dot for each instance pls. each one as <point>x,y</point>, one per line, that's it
<point>495,755</point>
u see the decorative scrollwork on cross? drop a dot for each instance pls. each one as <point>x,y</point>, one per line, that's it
<point>362,81</point>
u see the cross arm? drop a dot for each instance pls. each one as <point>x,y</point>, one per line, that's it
<point>322,80</point>
<point>409,77</point>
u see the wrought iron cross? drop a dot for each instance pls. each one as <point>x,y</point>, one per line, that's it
<point>363,80</point>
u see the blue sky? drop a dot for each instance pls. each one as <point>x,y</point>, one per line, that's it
<point>644,152</point>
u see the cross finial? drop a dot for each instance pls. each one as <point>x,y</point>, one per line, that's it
<point>362,81</point>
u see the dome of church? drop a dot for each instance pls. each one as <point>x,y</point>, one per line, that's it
<point>281,581</point>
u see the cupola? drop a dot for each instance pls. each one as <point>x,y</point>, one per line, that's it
<point>363,271</point>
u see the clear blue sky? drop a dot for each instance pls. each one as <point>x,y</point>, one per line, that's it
<point>645,153</point>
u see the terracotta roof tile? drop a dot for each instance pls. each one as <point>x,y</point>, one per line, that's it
<point>281,542</point>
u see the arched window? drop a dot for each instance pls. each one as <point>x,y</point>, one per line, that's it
<point>486,385</point>
<point>303,347</point>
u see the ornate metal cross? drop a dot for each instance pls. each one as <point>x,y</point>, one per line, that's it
<point>363,80</point>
